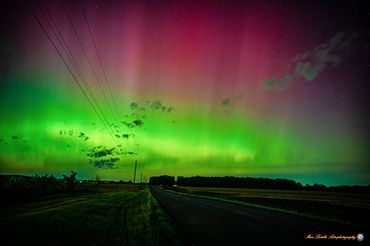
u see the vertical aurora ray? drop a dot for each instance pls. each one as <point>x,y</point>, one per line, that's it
<point>201,88</point>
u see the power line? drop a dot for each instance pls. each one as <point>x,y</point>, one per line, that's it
<point>98,55</point>
<point>88,59</point>
<point>64,61</point>
<point>69,54</point>
<point>90,65</point>
<point>99,58</point>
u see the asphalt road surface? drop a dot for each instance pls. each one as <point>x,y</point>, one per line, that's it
<point>202,221</point>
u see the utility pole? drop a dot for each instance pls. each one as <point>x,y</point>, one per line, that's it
<point>135,171</point>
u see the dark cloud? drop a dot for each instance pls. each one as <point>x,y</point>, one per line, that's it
<point>128,124</point>
<point>138,110</point>
<point>156,105</point>
<point>134,106</point>
<point>269,83</point>
<point>83,136</point>
<point>310,64</point>
<point>105,163</point>
<point>103,157</point>
<point>225,102</point>
<point>98,152</point>
<point>284,81</point>
<point>126,153</point>
<point>138,122</point>
<point>133,124</point>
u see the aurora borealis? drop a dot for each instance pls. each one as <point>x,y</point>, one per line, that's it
<point>242,88</point>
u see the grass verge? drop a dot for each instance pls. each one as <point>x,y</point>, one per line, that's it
<point>108,218</point>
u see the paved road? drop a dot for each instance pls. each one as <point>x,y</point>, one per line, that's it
<point>209,222</point>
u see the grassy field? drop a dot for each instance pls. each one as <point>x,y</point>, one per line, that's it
<point>348,208</point>
<point>113,215</point>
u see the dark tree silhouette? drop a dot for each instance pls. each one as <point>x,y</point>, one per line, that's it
<point>239,182</point>
<point>162,180</point>
<point>70,181</point>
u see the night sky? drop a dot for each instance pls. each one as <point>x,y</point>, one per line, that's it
<point>245,88</point>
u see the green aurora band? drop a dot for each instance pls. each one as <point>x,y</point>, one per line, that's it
<point>41,126</point>
<point>244,88</point>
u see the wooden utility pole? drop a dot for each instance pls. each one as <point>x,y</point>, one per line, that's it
<point>135,171</point>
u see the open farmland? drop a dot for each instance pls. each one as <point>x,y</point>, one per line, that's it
<point>113,215</point>
<point>348,208</point>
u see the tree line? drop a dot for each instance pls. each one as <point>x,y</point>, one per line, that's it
<point>251,183</point>
<point>162,180</point>
<point>19,187</point>
<point>239,182</point>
